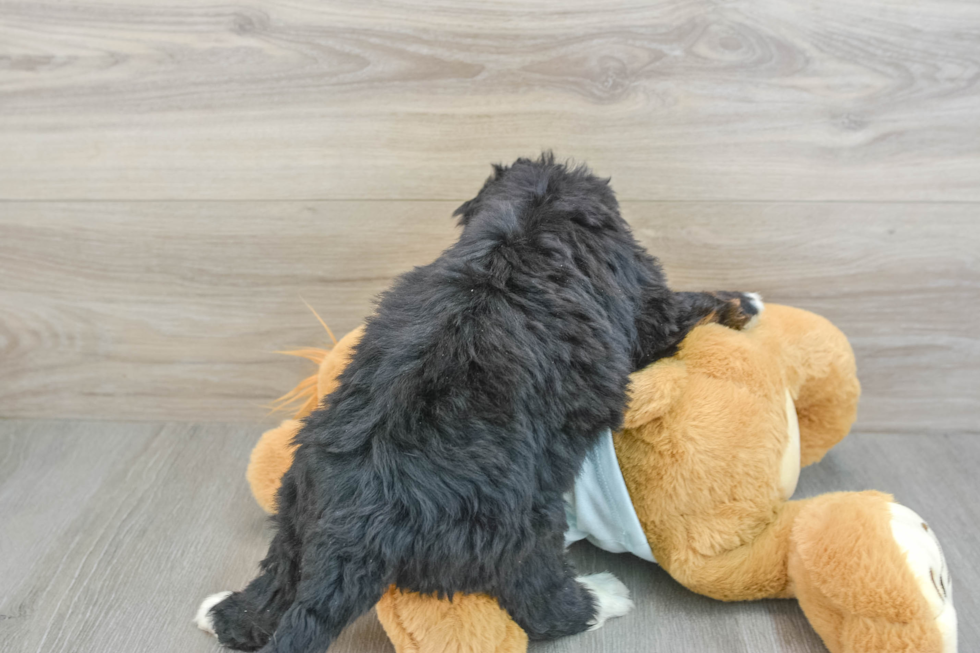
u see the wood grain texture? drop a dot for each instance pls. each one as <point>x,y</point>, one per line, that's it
<point>177,309</point>
<point>173,310</point>
<point>113,532</point>
<point>676,99</point>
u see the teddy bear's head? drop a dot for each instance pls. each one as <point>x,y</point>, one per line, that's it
<point>739,411</point>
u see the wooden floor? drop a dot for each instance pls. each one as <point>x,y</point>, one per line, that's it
<point>113,532</point>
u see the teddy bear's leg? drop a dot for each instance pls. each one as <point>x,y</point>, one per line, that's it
<point>546,599</point>
<point>755,570</point>
<point>871,577</point>
<point>470,623</point>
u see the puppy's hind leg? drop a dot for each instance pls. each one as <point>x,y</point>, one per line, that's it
<point>246,620</point>
<point>337,587</point>
<point>546,599</point>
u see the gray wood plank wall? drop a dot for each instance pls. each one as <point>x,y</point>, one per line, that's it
<point>696,99</point>
<point>175,176</point>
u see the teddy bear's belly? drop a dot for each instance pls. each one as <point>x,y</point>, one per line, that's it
<point>789,466</point>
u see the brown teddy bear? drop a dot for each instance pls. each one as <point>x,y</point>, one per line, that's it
<point>711,451</point>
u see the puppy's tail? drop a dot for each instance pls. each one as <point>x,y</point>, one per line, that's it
<point>335,590</point>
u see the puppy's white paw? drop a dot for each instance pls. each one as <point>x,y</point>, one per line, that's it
<point>755,299</point>
<point>612,598</point>
<point>925,560</point>
<point>203,618</point>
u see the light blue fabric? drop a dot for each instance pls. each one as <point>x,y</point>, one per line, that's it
<point>599,508</point>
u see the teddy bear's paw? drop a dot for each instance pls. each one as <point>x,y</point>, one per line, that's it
<point>925,560</point>
<point>204,619</point>
<point>612,598</point>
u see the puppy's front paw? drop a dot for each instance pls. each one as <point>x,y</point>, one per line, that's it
<point>204,619</point>
<point>612,598</point>
<point>753,305</point>
<point>742,311</point>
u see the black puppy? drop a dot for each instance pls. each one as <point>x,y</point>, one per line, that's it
<point>465,413</point>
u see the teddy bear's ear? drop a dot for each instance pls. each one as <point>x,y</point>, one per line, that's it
<point>653,390</point>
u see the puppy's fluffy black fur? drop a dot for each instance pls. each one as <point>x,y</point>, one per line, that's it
<point>482,380</point>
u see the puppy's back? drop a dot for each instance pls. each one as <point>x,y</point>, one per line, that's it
<point>523,326</point>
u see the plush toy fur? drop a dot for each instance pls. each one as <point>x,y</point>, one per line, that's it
<point>710,452</point>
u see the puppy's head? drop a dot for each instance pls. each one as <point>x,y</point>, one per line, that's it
<point>541,195</point>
